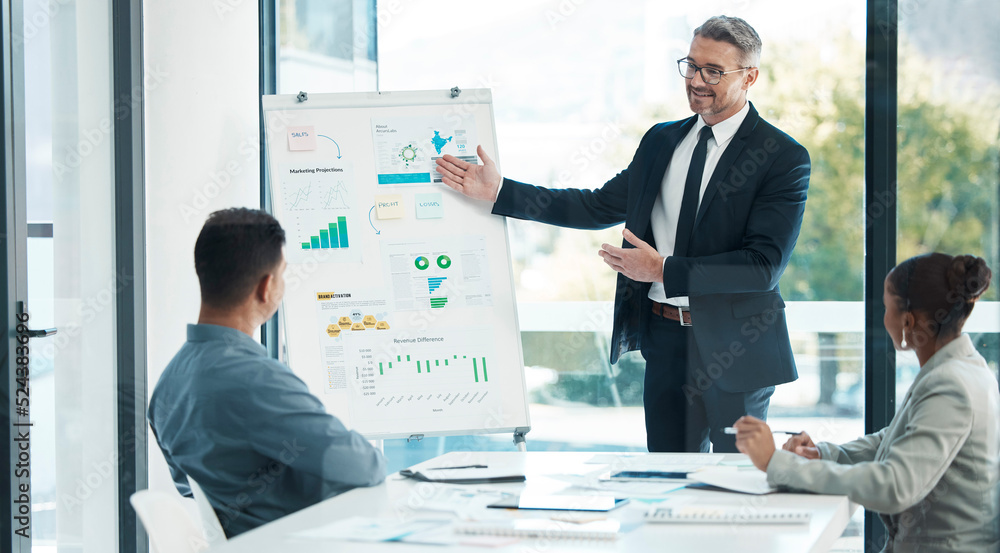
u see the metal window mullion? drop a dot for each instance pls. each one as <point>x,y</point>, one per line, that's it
<point>130,304</point>
<point>15,256</point>
<point>268,84</point>
<point>880,228</point>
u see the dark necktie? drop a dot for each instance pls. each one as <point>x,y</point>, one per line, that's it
<point>692,191</point>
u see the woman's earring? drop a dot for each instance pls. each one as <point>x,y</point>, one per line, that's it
<point>902,343</point>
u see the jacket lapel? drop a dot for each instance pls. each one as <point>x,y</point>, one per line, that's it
<point>732,152</point>
<point>654,179</point>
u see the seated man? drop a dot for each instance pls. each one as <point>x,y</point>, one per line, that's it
<point>240,423</point>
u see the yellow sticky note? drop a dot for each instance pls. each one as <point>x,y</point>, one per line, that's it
<point>389,206</point>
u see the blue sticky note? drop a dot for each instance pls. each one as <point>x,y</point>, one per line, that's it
<point>429,206</point>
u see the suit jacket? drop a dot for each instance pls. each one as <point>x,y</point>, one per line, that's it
<point>745,230</point>
<point>933,474</point>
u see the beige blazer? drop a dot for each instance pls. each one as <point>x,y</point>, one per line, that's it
<point>933,474</point>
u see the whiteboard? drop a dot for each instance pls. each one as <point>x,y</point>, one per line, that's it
<point>399,309</point>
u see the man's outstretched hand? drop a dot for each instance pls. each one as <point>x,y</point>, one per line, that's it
<point>480,182</point>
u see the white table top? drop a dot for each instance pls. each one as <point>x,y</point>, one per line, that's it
<point>401,498</point>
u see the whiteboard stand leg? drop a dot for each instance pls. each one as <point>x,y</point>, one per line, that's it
<point>519,441</point>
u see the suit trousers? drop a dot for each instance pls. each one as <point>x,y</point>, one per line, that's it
<point>683,415</point>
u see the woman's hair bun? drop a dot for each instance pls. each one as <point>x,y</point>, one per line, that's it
<point>968,277</point>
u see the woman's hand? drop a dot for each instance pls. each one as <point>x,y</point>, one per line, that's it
<point>754,438</point>
<point>802,444</point>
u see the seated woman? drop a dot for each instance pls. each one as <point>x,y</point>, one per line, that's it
<point>934,473</point>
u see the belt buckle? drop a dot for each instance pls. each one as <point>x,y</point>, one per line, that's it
<point>680,315</point>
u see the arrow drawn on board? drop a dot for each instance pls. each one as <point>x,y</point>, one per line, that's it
<point>377,231</point>
<point>334,143</point>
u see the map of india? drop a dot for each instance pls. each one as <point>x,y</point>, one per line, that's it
<point>439,142</point>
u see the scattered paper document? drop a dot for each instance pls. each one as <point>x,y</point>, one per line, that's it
<point>743,481</point>
<point>484,475</point>
<point>462,501</point>
<point>661,460</point>
<point>370,529</point>
<point>623,489</point>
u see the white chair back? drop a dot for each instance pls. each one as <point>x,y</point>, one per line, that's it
<point>209,520</point>
<point>171,528</point>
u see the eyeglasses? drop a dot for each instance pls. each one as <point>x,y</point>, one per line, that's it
<point>708,74</point>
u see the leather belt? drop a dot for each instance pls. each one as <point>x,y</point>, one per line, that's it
<point>667,311</point>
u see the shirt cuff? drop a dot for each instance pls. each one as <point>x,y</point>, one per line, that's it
<point>499,188</point>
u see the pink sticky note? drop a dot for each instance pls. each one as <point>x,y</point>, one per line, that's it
<point>301,138</point>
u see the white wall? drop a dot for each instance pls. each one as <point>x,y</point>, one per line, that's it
<point>201,154</point>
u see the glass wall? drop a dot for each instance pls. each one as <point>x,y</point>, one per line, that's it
<point>327,46</point>
<point>68,133</point>
<point>949,149</point>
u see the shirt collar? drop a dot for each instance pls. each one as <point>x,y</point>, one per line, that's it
<point>723,131</point>
<point>231,336</point>
<point>957,348</point>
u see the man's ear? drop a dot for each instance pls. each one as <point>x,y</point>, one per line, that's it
<point>750,78</point>
<point>264,289</point>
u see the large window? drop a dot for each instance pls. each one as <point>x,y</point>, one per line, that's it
<point>69,123</point>
<point>949,150</point>
<point>326,46</point>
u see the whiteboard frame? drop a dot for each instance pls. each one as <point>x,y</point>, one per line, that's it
<point>384,99</point>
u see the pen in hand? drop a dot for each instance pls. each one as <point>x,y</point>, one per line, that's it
<point>732,431</point>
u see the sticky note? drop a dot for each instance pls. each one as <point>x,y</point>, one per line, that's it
<point>301,139</point>
<point>389,206</point>
<point>429,206</point>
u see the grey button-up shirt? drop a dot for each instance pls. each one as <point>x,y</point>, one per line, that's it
<point>250,433</point>
<point>933,474</point>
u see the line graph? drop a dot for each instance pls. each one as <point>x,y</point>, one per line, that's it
<point>317,204</point>
<point>318,193</point>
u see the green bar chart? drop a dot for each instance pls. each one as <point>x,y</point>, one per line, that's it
<point>402,374</point>
<point>476,366</point>
<point>333,237</point>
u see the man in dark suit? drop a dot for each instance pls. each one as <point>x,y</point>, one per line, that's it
<point>712,207</point>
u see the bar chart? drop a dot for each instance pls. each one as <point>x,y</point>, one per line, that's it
<point>423,366</point>
<point>317,202</point>
<point>402,374</point>
<point>433,283</point>
<point>333,237</point>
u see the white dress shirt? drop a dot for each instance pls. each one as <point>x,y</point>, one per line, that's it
<point>667,207</point>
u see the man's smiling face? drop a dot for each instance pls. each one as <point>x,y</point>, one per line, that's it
<point>720,101</point>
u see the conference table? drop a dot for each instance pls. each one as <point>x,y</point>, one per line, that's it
<point>402,498</point>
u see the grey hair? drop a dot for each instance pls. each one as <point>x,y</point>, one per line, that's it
<point>735,31</point>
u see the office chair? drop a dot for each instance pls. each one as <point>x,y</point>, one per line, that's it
<point>170,526</point>
<point>209,519</point>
